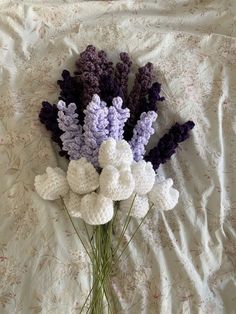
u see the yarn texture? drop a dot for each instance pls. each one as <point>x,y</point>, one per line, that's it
<point>141,134</point>
<point>139,203</point>
<point>115,153</point>
<point>117,184</point>
<point>144,176</point>
<point>163,195</point>
<point>73,201</point>
<point>117,116</point>
<point>52,184</point>
<point>90,195</point>
<point>82,176</point>
<point>95,129</point>
<point>96,209</point>
<point>68,122</point>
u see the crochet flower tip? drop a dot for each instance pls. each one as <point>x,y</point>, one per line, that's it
<point>96,209</point>
<point>82,176</point>
<point>117,184</point>
<point>163,196</point>
<point>168,144</point>
<point>115,153</point>
<point>144,176</point>
<point>52,184</point>
<point>139,204</point>
<point>141,134</point>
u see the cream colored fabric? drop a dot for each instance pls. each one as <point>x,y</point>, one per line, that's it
<point>182,261</point>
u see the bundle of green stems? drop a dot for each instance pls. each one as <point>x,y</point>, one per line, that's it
<point>105,251</point>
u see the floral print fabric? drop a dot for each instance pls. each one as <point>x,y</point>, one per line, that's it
<point>180,262</point>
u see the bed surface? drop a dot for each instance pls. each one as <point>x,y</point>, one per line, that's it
<point>182,261</point>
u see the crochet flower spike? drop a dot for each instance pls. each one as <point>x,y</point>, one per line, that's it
<point>139,204</point>
<point>144,176</point>
<point>82,176</point>
<point>71,92</point>
<point>48,116</point>
<point>168,144</point>
<point>96,209</point>
<point>116,184</point>
<point>141,134</point>
<point>122,71</point>
<point>72,136</point>
<point>117,116</point>
<point>115,153</point>
<point>163,195</point>
<point>95,129</point>
<point>52,184</point>
<point>72,201</point>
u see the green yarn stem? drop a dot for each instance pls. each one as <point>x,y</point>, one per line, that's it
<point>101,291</point>
<point>103,259</point>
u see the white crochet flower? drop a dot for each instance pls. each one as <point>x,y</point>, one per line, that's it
<point>163,195</point>
<point>115,153</point>
<point>82,176</point>
<point>117,184</point>
<point>144,176</point>
<point>52,184</point>
<point>72,202</point>
<point>96,209</point>
<point>139,203</point>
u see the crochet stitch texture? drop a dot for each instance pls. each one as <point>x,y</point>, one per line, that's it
<point>68,122</point>
<point>115,153</point>
<point>73,203</point>
<point>96,209</point>
<point>52,184</point>
<point>163,195</point>
<point>139,203</point>
<point>117,184</point>
<point>82,176</point>
<point>144,176</point>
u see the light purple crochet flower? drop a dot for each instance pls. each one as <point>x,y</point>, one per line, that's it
<point>95,129</point>
<point>141,134</point>
<point>117,116</point>
<point>72,136</point>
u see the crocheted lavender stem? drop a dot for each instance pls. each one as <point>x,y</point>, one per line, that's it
<point>122,73</point>
<point>48,116</point>
<point>117,116</point>
<point>70,91</point>
<point>95,129</point>
<point>168,144</point>
<point>92,66</point>
<point>141,134</point>
<point>69,124</point>
<point>154,96</point>
<point>142,83</point>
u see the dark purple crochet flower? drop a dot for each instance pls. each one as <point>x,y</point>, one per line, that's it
<point>154,96</point>
<point>92,66</point>
<point>137,100</point>
<point>168,144</point>
<point>122,74</point>
<point>48,116</point>
<point>71,90</point>
<point>109,89</point>
<point>96,74</point>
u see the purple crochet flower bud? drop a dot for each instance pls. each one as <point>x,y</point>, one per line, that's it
<point>95,129</point>
<point>72,136</point>
<point>48,116</point>
<point>168,144</point>
<point>117,116</point>
<point>141,134</point>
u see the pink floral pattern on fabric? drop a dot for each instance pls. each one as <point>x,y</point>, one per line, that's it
<point>184,261</point>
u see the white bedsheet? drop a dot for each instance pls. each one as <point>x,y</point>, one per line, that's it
<point>182,261</point>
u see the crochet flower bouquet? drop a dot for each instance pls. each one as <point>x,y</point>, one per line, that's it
<point>102,129</point>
